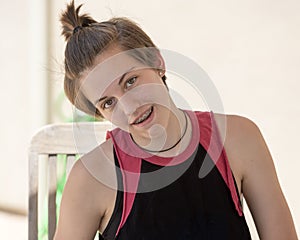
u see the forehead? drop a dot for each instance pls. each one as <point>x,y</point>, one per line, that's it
<point>109,66</point>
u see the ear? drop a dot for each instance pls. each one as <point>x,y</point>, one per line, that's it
<point>161,64</point>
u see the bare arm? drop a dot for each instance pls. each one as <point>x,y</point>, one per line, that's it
<point>85,202</point>
<point>259,182</point>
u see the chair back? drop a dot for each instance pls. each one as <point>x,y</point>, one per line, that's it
<point>52,153</point>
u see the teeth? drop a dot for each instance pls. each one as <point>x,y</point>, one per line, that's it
<point>145,115</point>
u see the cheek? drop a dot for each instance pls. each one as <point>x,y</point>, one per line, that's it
<point>118,118</point>
<point>105,115</point>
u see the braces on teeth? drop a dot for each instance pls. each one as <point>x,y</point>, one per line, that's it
<point>145,115</point>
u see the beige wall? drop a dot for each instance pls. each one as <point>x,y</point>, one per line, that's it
<point>23,95</point>
<point>250,50</point>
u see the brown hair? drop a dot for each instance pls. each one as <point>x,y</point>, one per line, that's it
<point>87,38</point>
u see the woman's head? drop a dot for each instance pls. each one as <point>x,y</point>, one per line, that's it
<point>87,39</point>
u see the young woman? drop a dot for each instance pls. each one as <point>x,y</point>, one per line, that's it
<point>163,173</point>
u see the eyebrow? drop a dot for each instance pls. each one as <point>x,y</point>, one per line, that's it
<point>119,83</point>
<point>123,76</point>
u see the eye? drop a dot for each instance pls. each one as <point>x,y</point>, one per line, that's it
<point>108,103</point>
<point>130,82</point>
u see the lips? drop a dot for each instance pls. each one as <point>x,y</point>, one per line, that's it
<point>144,116</point>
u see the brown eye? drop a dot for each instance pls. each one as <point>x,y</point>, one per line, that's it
<point>130,82</point>
<point>108,103</point>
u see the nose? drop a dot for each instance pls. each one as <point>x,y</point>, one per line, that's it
<point>129,103</point>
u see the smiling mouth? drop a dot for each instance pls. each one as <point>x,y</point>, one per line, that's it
<point>144,117</point>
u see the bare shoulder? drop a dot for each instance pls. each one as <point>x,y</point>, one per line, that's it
<point>237,127</point>
<point>247,151</point>
<point>241,136</point>
<point>90,170</point>
<point>87,195</point>
<point>253,165</point>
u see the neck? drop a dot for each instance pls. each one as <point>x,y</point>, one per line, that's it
<point>170,140</point>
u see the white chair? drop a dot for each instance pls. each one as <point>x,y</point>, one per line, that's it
<point>47,146</point>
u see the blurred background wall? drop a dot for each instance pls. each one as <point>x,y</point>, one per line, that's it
<point>250,50</point>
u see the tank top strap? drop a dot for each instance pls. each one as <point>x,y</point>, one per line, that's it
<point>130,167</point>
<point>211,140</point>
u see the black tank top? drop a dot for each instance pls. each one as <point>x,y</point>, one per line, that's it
<point>188,208</point>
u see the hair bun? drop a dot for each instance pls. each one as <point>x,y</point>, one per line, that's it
<point>72,22</point>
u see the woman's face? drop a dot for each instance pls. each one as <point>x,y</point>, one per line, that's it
<point>128,93</point>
